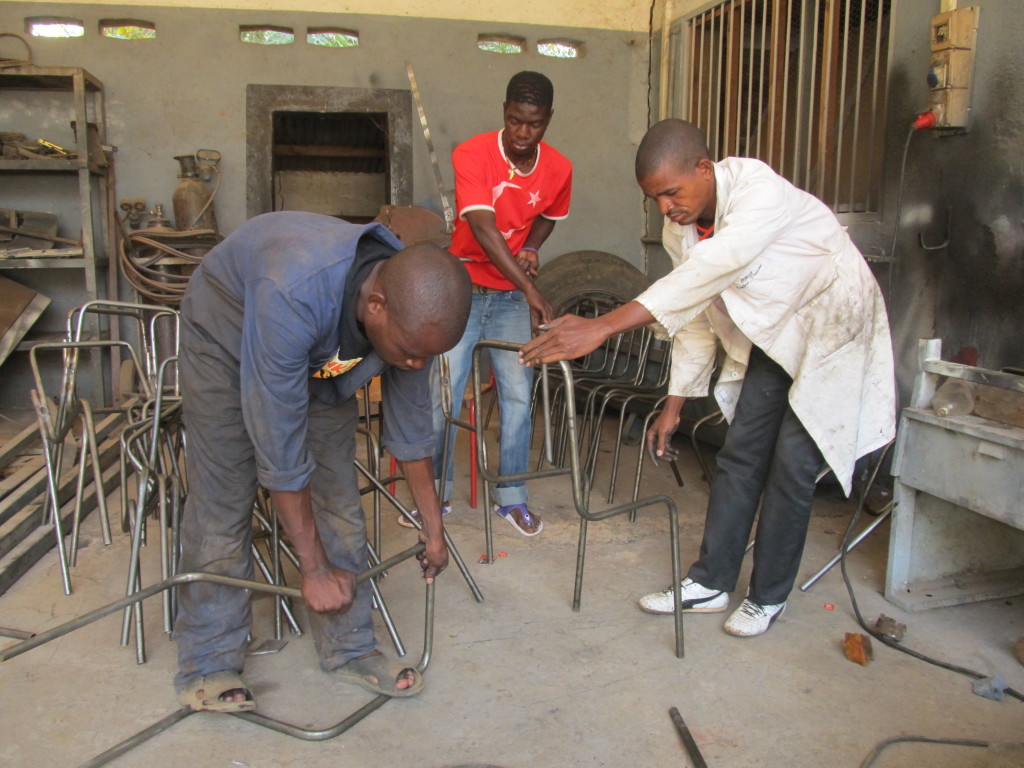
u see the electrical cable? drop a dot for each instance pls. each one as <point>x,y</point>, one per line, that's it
<point>885,639</point>
<point>899,208</point>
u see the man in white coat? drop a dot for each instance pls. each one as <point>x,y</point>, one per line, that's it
<point>807,380</point>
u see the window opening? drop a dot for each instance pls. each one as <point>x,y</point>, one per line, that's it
<point>560,49</point>
<point>55,27</point>
<point>266,35</point>
<point>501,44</point>
<point>331,163</point>
<point>329,37</point>
<point>128,29</point>
<point>799,84</point>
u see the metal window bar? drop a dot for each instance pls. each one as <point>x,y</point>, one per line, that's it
<point>796,83</point>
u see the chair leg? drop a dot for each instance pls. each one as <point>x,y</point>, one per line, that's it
<point>472,456</point>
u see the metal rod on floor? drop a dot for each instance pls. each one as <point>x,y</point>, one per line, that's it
<point>886,511</point>
<point>158,727</point>
<point>186,578</point>
<point>306,734</point>
<point>687,737</point>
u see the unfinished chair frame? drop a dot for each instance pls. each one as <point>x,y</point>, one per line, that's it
<point>306,734</point>
<point>55,427</point>
<point>579,490</point>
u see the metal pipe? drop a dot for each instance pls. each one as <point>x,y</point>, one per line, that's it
<point>886,511</point>
<point>690,745</point>
<point>579,487</point>
<point>186,578</point>
<point>447,539</point>
<point>279,725</point>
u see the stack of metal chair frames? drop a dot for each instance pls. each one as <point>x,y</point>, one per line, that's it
<point>628,374</point>
<point>67,415</point>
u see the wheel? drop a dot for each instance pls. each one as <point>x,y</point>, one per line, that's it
<point>566,277</point>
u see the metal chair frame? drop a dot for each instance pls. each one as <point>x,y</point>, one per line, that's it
<point>580,494</point>
<point>306,734</point>
<point>56,426</point>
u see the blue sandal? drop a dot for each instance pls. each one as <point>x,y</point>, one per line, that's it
<point>519,517</point>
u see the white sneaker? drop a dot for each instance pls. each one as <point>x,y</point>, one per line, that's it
<point>695,599</point>
<point>404,521</point>
<point>751,619</point>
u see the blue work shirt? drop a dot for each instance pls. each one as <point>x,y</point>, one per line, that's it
<point>277,298</point>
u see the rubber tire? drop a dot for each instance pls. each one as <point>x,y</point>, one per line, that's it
<point>577,272</point>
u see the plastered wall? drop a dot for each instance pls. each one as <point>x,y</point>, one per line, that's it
<point>964,193</point>
<point>611,14</point>
<point>186,90</point>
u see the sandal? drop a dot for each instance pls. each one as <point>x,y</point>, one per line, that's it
<point>378,674</point>
<point>203,693</point>
<point>519,517</point>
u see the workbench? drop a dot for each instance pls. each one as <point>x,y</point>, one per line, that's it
<point>957,533</point>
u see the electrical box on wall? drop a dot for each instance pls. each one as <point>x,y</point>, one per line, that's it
<point>951,69</point>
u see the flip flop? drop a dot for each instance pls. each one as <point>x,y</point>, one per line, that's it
<point>378,674</point>
<point>524,518</point>
<point>203,693</point>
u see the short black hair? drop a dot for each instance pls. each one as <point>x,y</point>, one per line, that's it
<point>531,88</point>
<point>426,286</point>
<point>672,143</point>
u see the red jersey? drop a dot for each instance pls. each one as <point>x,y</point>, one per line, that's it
<point>485,180</point>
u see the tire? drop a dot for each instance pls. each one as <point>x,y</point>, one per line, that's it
<point>578,272</point>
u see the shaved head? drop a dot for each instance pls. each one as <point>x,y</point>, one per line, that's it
<point>671,145</point>
<point>427,288</point>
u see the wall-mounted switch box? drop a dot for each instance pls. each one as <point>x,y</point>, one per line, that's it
<point>951,67</point>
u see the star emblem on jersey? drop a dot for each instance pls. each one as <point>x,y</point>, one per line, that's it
<point>535,199</point>
<point>336,367</point>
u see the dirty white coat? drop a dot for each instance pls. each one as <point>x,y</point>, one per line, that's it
<point>781,272</point>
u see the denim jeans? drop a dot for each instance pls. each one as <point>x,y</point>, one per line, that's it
<point>216,530</point>
<point>767,453</point>
<point>502,316</point>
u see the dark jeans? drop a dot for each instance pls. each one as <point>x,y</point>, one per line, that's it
<point>213,621</point>
<point>768,457</point>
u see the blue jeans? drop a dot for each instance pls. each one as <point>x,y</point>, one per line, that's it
<point>767,453</point>
<point>502,316</point>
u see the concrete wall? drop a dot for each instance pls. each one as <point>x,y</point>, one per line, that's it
<point>186,90</point>
<point>609,14</point>
<point>968,189</point>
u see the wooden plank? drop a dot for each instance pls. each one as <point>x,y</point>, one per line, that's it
<point>20,522</point>
<point>34,484</point>
<point>40,538</point>
<point>18,444</point>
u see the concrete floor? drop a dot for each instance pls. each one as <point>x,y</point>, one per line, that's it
<point>520,680</point>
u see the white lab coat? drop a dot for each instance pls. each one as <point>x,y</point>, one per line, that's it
<point>781,272</point>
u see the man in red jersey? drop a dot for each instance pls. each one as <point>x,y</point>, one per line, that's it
<point>510,189</point>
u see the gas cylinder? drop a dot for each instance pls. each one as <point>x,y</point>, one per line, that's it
<point>192,199</point>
